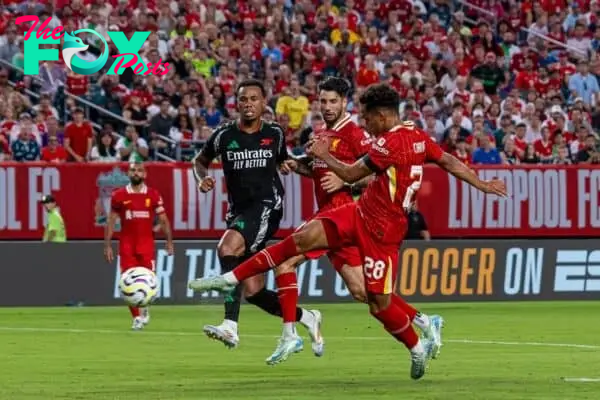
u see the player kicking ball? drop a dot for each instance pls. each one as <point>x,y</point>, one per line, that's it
<point>377,223</point>
<point>252,152</point>
<point>137,206</point>
<point>348,143</point>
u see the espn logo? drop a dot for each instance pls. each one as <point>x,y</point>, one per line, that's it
<point>577,271</point>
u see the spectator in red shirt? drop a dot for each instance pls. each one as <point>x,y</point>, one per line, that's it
<point>54,152</point>
<point>418,48</point>
<point>519,139</point>
<point>368,74</point>
<point>461,151</point>
<point>526,78</point>
<point>78,137</point>
<point>543,147</point>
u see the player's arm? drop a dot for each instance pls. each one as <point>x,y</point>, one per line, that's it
<point>349,173</point>
<point>202,161</point>
<point>461,171</point>
<point>361,145</point>
<point>200,164</point>
<point>363,183</point>
<point>303,165</point>
<point>110,228</point>
<point>163,222</point>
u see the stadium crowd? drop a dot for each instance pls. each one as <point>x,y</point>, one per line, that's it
<point>490,91</point>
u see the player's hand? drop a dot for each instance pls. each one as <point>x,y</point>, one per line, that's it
<point>288,166</point>
<point>331,182</point>
<point>108,254</point>
<point>495,186</point>
<point>207,184</point>
<point>170,248</point>
<point>318,147</point>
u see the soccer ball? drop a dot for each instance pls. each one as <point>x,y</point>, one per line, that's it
<point>138,286</point>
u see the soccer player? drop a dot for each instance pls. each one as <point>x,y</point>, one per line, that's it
<point>251,151</point>
<point>348,143</point>
<point>137,206</point>
<point>376,223</point>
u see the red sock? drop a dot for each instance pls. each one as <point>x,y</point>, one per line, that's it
<point>287,291</point>
<point>407,308</point>
<point>266,259</point>
<point>135,311</point>
<point>396,322</point>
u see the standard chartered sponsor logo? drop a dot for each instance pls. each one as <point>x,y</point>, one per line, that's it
<point>243,159</point>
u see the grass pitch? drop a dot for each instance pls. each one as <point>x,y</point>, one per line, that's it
<point>492,351</point>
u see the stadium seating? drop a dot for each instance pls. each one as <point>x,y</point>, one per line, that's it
<point>481,77</point>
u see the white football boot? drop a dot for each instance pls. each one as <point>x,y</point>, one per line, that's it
<point>312,320</point>
<point>225,333</point>
<point>138,324</point>
<point>145,315</point>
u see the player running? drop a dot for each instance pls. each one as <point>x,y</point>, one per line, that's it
<point>348,143</point>
<point>137,206</point>
<point>377,223</point>
<point>251,151</point>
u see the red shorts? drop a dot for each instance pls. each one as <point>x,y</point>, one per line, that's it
<point>380,260</point>
<point>128,261</point>
<point>349,256</point>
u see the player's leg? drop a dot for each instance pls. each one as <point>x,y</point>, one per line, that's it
<point>311,237</point>
<point>128,260</point>
<point>287,291</point>
<point>346,262</point>
<point>230,249</point>
<point>146,260</point>
<point>380,271</point>
<point>265,224</point>
<point>248,233</point>
<point>329,227</point>
<point>315,235</point>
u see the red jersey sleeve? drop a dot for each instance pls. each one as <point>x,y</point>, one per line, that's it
<point>157,203</point>
<point>380,157</point>
<point>433,151</point>
<point>361,142</point>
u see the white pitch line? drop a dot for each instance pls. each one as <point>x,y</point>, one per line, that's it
<point>503,343</point>
<point>581,379</point>
<point>179,333</point>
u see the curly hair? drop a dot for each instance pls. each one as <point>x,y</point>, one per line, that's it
<point>335,84</point>
<point>380,96</point>
<point>252,83</point>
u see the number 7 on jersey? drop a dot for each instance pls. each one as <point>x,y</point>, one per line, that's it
<point>416,174</point>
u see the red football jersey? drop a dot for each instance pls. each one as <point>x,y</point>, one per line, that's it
<point>348,143</point>
<point>137,211</point>
<point>397,158</point>
<point>544,149</point>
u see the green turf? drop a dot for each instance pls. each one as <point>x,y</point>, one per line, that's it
<point>89,353</point>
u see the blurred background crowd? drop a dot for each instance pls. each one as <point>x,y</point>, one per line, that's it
<point>493,81</point>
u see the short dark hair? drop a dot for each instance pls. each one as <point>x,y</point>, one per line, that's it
<point>381,96</point>
<point>252,83</point>
<point>335,84</point>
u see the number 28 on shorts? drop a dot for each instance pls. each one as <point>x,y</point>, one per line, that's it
<point>379,275</point>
